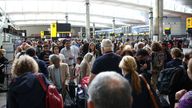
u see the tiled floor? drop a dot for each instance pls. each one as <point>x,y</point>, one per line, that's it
<point>2,100</point>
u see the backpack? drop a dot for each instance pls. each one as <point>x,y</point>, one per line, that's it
<point>169,79</point>
<point>53,99</point>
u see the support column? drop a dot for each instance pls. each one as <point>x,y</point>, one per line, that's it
<point>113,26</point>
<point>87,20</point>
<point>158,20</point>
<point>150,23</point>
<point>81,33</point>
<point>93,30</point>
<point>66,17</point>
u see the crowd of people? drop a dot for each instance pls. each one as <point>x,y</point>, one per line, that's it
<point>119,74</point>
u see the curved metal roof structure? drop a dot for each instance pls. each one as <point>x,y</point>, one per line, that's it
<point>102,12</point>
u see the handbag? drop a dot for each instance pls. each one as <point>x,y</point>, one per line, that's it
<point>68,101</point>
<point>153,99</point>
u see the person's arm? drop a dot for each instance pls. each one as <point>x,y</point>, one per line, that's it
<point>92,76</point>
<point>83,70</point>
<point>43,68</point>
<point>67,76</point>
<point>178,96</point>
<point>50,76</point>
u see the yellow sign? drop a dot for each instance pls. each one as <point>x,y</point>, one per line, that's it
<point>167,28</point>
<point>188,23</point>
<point>53,30</point>
<point>42,34</point>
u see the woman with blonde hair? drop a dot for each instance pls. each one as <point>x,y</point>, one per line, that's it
<point>141,97</point>
<point>25,90</point>
<point>85,66</point>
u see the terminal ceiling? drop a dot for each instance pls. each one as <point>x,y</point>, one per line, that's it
<point>102,12</point>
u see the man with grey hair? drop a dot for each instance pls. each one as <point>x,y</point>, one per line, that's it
<point>109,90</point>
<point>58,72</point>
<point>109,61</point>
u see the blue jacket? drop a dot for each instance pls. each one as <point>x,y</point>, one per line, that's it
<point>26,92</point>
<point>42,66</point>
<point>174,63</point>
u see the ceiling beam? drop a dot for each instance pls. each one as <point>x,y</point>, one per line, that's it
<point>80,21</point>
<point>74,13</point>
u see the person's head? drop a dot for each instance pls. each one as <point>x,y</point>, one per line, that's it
<point>127,50</point>
<point>156,46</point>
<point>92,46</point>
<point>2,51</point>
<point>68,44</point>
<point>148,49</point>
<point>31,52</point>
<point>141,55</point>
<point>25,46</point>
<point>55,60</point>
<point>79,59</point>
<point>187,56</point>
<point>73,43</point>
<point>46,47</point>
<point>55,49</point>
<point>164,46</point>
<point>109,90</point>
<point>24,64</point>
<point>140,45</point>
<point>106,46</point>
<point>189,70</point>
<point>128,65</point>
<point>121,46</point>
<point>176,53</point>
<point>88,57</point>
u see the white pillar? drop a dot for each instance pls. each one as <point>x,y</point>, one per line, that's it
<point>150,23</point>
<point>156,19</point>
<point>87,20</point>
<point>160,20</point>
<point>66,17</point>
<point>81,33</point>
<point>93,30</point>
<point>113,26</point>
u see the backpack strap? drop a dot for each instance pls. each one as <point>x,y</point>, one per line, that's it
<point>150,92</point>
<point>41,81</point>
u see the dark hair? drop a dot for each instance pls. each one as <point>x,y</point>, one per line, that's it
<point>54,47</point>
<point>142,52</point>
<point>80,58</point>
<point>126,52</point>
<point>31,51</point>
<point>156,46</point>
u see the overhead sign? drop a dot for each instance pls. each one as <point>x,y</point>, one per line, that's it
<point>42,34</point>
<point>188,23</point>
<point>54,30</point>
<point>167,31</point>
